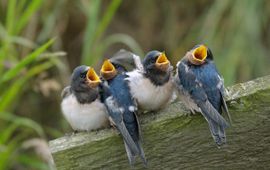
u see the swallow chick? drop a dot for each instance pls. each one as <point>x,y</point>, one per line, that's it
<point>201,88</point>
<point>151,82</point>
<point>122,109</point>
<point>81,105</point>
<point>127,60</point>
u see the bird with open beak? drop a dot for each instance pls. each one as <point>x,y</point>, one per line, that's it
<point>122,108</point>
<point>81,105</point>
<point>201,88</point>
<point>151,85</point>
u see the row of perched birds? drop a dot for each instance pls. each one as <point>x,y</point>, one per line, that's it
<point>127,86</point>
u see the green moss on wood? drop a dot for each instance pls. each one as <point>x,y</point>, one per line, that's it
<point>174,141</point>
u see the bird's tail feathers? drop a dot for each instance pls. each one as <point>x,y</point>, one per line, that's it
<point>226,110</point>
<point>142,155</point>
<point>128,139</point>
<point>217,123</point>
<point>217,132</point>
<point>210,113</point>
<point>130,155</point>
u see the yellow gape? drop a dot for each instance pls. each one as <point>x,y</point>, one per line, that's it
<point>108,71</point>
<point>198,55</point>
<point>92,78</point>
<point>162,62</point>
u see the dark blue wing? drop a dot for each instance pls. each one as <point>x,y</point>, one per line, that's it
<point>213,86</point>
<point>203,97</point>
<point>116,113</point>
<point>198,91</point>
<point>120,91</point>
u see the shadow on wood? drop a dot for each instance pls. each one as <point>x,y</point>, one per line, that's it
<point>175,141</point>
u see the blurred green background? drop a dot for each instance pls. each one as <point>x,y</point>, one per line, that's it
<point>42,41</point>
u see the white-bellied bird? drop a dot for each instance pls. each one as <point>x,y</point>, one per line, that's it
<point>81,105</point>
<point>151,82</point>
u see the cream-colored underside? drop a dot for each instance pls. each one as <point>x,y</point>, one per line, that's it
<point>149,96</point>
<point>84,116</point>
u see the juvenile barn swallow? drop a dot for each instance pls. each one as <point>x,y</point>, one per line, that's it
<point>127,60</point>
<point>202,89</point>
<point>122,108</point>
<point>151,82</point>
<point>81,103</point>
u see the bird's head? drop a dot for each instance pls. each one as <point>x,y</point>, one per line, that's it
<point>108,70</point>
<point>84,78</point>
<point>156,62</point>
<point>199,54</point>
<point>157,67</point>
<point>125,59</point>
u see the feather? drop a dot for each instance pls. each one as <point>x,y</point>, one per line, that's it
<point>225,109</point>
<point>210,113</point>
<point>65,92</point>
<point>116,115</point>
<point>201,87</point>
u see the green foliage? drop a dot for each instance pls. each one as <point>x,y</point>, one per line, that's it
<point>17,129</point>
<point>16,71</point>
<point>93,45</point>
<point>10,74</point>
<point>234,31</point>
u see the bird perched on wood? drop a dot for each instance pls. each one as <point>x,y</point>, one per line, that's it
<point>81,103</point>
<point>122,108</point>
<point>202,90</point>
<point>151,82</point>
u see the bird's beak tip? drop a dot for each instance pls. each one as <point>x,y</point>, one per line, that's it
<point>162,62</point>
<point>107,71</point>
<point>162,59</point>
<point>200,53</point>
<point>92,78</point>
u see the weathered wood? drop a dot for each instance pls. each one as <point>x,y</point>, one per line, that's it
<point>175,141</point>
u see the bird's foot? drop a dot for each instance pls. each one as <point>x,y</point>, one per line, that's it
<point>191,113</point>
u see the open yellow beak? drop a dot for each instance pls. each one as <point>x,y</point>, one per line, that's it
<point>92,78</point>
<point>108,71</point>
<point>162,62</point>
<point>200,54</point>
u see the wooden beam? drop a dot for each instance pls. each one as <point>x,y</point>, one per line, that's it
<point>175,141</point>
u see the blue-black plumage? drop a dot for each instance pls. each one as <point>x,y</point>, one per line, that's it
<point>201,88</point>
<point>150,80</point>
<point>122,108</point>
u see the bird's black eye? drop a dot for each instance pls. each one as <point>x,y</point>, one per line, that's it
<point>82,75</point>
<point>153,60</point>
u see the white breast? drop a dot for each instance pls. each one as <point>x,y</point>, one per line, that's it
<point>84,116</point>
<point>149,96</point>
